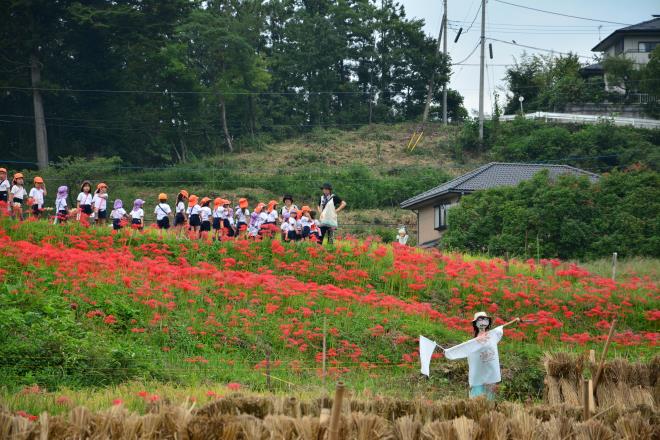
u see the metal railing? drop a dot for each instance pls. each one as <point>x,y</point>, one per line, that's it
<point>570,118</point>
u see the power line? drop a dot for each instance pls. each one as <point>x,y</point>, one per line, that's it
<point>534,25</point>
<point>467,57</point>
<point>561,14</point>
<point>537,48</point>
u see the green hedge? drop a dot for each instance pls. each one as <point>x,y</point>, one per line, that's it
<point>566,218</point>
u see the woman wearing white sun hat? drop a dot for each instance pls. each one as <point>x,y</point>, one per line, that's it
<point>482,355</point>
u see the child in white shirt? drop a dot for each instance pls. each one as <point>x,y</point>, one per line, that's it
<point>118,214</point>
<point>5,186</point>
<point>137,215</point>
<point>100,202</point>
<point>193,214</point>
<point>163,212</point>
<point>205,215</point>
<point>84,200</point>
<point>242,215</point>
<point>61,210</point>
<point>17,196</point>
<point>37,195</point>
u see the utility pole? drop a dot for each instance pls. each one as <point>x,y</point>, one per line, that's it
<point>444,87</point>
<point>429,94</point>
<point>41,138</point>
<point>481,70</point>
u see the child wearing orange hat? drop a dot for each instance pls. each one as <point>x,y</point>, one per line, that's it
<point>37,194</point>
<point>242,216</point>
<point>163,211</point>
<point>5,186</point>
<point>194,209</point>
<point>205,214</point>
<point>228,226</point>
<point>218,210</point>
<point>306,222</point>
<point>100,203</point>
<point>17,195</point>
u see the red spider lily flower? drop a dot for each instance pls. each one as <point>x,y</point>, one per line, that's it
<point>117,402</point>
<point>234,386</point>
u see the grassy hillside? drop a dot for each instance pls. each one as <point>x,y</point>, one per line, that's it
<point>85,308</point>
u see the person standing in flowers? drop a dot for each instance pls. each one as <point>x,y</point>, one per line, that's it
<point>180,215</point>
<point>482,355</point>
<point>37,194</point>
<point>84,200</point>
<point>61,207</point>
<point>329,207</point>
<point>242,217</point>
<point>100,202</point>
<point>4,186</point>
<point>137,215</point>
<point>205,215</point>
<point>194,209</point>
<point>16,196</point>
<point>163,211</point>
<point>118,215</point>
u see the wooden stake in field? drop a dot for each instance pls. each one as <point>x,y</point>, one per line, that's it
<point>333,431</point>
<point>599,371</point>
<point>614,258</point>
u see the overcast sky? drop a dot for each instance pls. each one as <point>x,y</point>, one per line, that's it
<point>531,28</point>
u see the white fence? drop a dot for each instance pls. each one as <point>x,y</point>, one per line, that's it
<point>569,118</point>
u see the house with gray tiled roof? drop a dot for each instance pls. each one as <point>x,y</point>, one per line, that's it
<point>431,206</point>
<point>635,42</point>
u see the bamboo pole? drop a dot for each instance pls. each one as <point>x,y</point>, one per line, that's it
<point>586,413</point>
<point>333,431</point>
<point>325,332</point>
<point>511,322</point>
<point>599,371</point>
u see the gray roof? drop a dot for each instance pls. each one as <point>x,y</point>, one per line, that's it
<point>646,27</point>
<point>493,175</point>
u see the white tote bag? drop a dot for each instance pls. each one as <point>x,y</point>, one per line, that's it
<point>328,217</point>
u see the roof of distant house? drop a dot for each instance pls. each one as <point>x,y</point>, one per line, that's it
<point>493,175</point>
<point>646,27</point>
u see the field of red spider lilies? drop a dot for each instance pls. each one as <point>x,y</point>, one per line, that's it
<point>86,307</point>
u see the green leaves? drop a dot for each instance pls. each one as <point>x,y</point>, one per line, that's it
<point>568,218</point>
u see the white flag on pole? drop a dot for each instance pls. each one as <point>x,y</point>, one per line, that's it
<point>426,348</point>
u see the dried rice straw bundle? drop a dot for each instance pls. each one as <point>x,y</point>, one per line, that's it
<point>80,420</point>
<point>492,426</point>
<point>280,427</point>
<point>633,427</point>
<point>593,430</point>
<point>549,430</point>
<point>369,426</point>
<point>16,427</point>
<point>552,390</point>
<point>308,428</point>
<point>466,429</point>
<point>569,392</point>
<point>406,428</point>
<point>563,365</point>
<point>615,371</point>
<point>522,425</point>
<point>475,408</point>
<point>251,428</point>
<point>439,430</point>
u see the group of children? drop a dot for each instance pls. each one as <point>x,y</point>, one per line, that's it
<point>205,217</point>
<point>217,218</point>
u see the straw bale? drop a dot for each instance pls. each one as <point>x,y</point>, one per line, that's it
<point>439,430</point>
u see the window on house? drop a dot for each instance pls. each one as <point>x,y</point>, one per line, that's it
<point>440,215</point>
<point>647,46</point>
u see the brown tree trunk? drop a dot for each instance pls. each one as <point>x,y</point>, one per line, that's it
<point>223,113</point>
<point>39,120</point>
